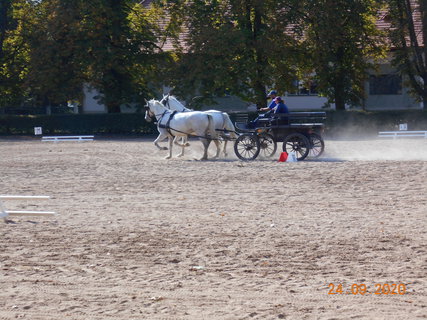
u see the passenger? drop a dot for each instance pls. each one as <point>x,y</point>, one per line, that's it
<point>277,105</point>
<point>280,107</point>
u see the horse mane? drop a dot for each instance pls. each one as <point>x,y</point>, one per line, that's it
<point>175,100</point>
<point>157,102</point>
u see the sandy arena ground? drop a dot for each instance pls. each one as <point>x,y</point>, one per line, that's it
<point>140,237</point>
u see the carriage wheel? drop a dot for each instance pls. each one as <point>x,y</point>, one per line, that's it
<point>247,147</point>
<point>267,144</point>
<point>298,143</point>
<point>317,145</point>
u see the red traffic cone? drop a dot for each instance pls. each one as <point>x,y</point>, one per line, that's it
<point>283,157</point>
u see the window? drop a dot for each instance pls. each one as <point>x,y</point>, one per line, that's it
<point>304,88</point>
<point>385,84</point>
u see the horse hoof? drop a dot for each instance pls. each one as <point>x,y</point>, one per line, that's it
<point>168,157</point>
<point>187,144</point>
<point>164,148</point>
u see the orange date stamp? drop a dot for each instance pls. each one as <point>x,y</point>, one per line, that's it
<point>363,289</point>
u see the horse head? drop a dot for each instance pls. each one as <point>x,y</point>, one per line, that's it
<point>148,113</point>
<point>153,108</point>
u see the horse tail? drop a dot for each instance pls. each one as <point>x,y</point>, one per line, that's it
<point>229,126</point>
<point>211,127</point>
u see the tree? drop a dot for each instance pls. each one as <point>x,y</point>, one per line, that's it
<point>344,43</point>
<point>13,52</point>
<point>5,8</point>
<point>244,46</point>
<point>99,42</point>
<point>54,60</point>
<point>410,42</point>
<point>231,47</point>
<point>62,45</point>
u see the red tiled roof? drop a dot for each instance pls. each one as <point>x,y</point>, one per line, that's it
<point>384,22</point>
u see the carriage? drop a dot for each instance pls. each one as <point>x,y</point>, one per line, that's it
<point>300,132</point>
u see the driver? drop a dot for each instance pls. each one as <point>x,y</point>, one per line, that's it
<point>272,95</point>
<point>277,105</point>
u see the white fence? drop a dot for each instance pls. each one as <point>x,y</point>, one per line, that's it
<point>5,213</point>
<point>67,138</point>
<point>402,134</point>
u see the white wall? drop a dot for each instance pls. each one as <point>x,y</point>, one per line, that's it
<point>390,101</point>
<point>296,103</point>
<point>90,104</point>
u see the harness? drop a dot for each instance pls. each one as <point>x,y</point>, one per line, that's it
<point>172,114</point>
<point>167,125</point>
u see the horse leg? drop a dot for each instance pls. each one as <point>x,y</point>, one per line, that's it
<point>184,142</point>
<point>170,148</point>
<point>206,143</point>
<point>218,147</point>
<point>224,150</point>
<point>183,145</point>
<point>161,137</point>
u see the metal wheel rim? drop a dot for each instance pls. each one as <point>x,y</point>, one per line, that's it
<point>267,144</point>
<point>247,147</point>
<point>317,145</point>
<point>297,143</point>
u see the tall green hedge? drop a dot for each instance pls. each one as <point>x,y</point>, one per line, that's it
<point>338,123</point>
<point>77,124</point>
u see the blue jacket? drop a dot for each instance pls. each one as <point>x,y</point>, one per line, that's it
<point>272,104</point>
<point>281,108</point>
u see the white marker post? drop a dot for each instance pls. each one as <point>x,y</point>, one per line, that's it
<point>403,126</point>
<point>38,131</point>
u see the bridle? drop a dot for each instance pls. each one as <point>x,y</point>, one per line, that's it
<point>152,115</point>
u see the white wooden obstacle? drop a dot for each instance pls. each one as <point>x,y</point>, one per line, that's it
<point>67,138</point>
<point>5,213</point>
<point>402,134</point>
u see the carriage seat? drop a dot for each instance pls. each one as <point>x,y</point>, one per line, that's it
<point>263,122</point>
<point>279,119</point>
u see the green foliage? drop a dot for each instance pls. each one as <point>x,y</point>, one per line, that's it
<point>13,52</point>
<point>243,47</point>
<point>232,48</point>
<point>54,62</point>
<point>343,43</point>
<point>52,47</point>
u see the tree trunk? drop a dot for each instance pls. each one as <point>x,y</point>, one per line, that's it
<point>340,77</point>
<point>113,108</point>
<point>260,59</point>
<point>4,8</point>
<point>423,9</point>
<point>339,99</point>
<point>424,96</point>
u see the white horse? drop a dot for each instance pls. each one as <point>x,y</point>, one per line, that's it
<point>223,125</point>
<point>181,124</point>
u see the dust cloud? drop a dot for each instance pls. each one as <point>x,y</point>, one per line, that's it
<point>378,149</point>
